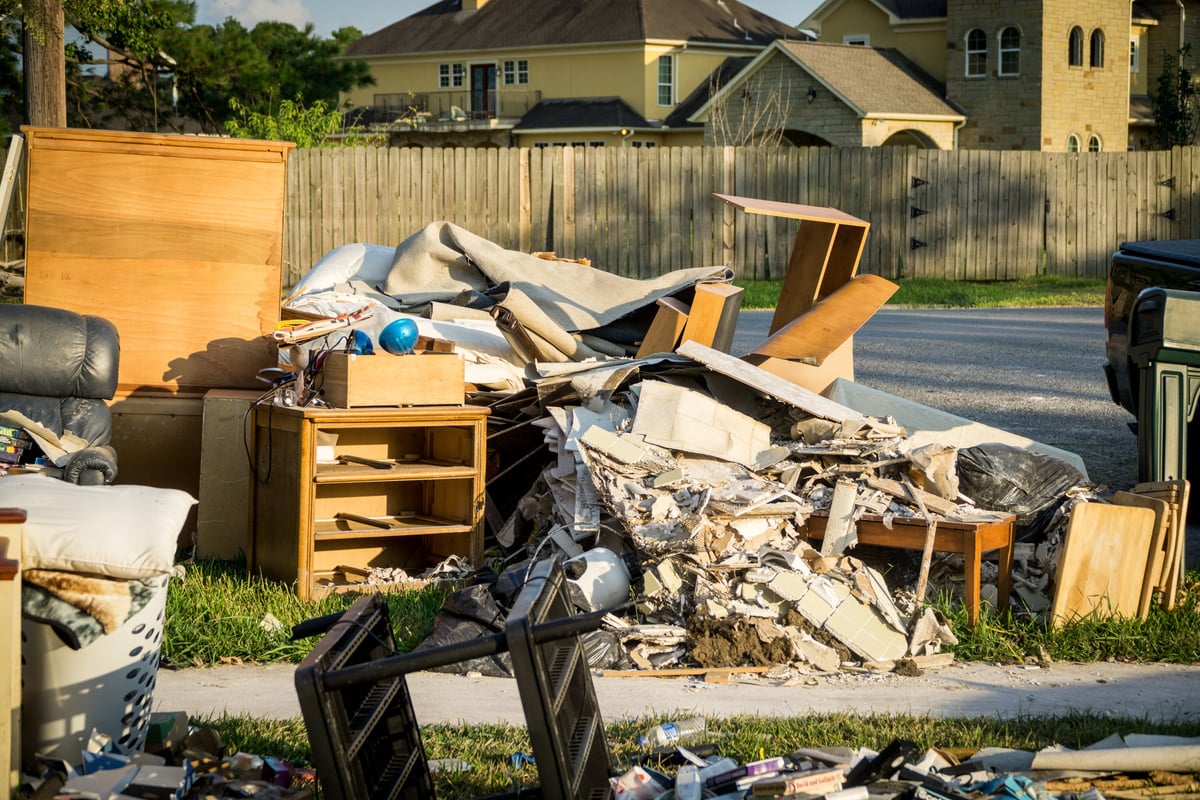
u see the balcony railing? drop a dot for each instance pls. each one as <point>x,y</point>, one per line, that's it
<point>459,106</point>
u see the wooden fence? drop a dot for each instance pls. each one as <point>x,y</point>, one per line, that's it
<point>967,214</point>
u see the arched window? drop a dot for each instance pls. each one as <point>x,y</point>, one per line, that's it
<point>1097,59</point>
<point>1075,47</point>
<point>1094,144</point>
<point>1010,51</point>
<point>976,53</point>
<point>1072,144</point>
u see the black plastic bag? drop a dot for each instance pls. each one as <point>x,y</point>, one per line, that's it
<point>1002,477</point>
<point>467,615</point>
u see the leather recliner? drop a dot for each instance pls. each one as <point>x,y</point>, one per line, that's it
<point>57,367</point>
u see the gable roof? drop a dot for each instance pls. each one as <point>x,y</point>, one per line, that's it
<point>726,71</point>
<point>898,11</point>
<point>500,24</point>
<point>872,81</point>
<point>581,112</point>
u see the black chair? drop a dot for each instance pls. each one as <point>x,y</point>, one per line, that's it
<point>58,368</point>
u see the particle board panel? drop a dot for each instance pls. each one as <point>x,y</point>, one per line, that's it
<point>1158,541</point>
<point>1103,562</point>
<point>825,254</point>
<point>713,315</point>
<point>158,443</point>
<point>666,327</point>
<point>223,515</point>
<point>181,248</point>
<point>1177,494</point>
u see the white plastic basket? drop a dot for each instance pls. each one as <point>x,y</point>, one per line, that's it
<point>107,686</point>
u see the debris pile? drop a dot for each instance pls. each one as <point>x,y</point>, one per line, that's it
<point>710,505</point>
<point>179,761</point>
<point>1132,767</point>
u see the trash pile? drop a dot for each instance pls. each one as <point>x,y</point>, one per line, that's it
<point>1133,766</point>
<point>179,761</point>
<point>705,510</point>
<point>733,503</point>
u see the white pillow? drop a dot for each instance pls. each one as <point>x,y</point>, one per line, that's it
<point>358,261</point>
<point>118,531</point>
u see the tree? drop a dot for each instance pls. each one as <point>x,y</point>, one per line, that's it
<point>162,68</point>
<point>43,51</point>
<point>261,68</point>
<point>1175,103</point>
<point>313,126</point>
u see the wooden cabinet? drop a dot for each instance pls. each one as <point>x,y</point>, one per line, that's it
<point>339,492</point>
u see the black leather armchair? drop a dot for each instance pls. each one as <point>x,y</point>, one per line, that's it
<point>58,367</point>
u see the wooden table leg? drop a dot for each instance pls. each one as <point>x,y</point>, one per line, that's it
<point>971,563</point>
<point>1004,578</point>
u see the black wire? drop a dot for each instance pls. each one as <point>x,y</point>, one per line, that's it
<point>250,460</point>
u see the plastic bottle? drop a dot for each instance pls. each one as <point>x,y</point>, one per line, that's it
<point>671,732</point>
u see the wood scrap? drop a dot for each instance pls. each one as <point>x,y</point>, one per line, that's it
<point>910,493</point>
<point>1158,540</point>
<point>681,672</point>
<point>1103,562</point>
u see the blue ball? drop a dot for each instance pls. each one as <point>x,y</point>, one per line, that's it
<point>399,336</point>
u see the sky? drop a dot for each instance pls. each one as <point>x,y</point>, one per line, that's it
<point>371,15</point>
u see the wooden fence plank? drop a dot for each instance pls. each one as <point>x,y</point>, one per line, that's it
<point>640,211</point>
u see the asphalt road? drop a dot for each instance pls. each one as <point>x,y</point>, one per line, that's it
<point>1031,371</point>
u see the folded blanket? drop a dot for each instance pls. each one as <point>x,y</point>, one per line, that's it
<point>82,608</point>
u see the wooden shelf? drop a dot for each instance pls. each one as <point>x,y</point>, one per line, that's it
<point>354,473</point>
<point>330,529</point>
<point>311,518</point>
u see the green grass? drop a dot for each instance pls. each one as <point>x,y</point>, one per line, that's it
<point>1043,290</point>
<point>487,748</point>
<point>214,615</point>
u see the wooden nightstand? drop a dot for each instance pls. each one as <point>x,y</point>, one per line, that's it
<point>338,492</point>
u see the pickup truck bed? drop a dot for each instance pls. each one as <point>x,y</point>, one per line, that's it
<point>1173,264</point>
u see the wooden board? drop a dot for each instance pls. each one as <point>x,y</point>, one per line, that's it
<point>831,322</point>
<point>713,315</point>
<point>771,385</point>
<point>1177,494</point>
<point>666,328</point>
<point>1103,562</point>
<point>1158,539</point>
<point>417,379</point>
<point>825,255</point>
<point>181,248</point>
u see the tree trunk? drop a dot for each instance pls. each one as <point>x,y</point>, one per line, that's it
<point>45,64</point>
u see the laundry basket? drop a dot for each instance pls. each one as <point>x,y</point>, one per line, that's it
<point>107,686</point>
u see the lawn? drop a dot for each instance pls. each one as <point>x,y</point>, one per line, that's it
<point>1043,290</point>
<point>216,612</point>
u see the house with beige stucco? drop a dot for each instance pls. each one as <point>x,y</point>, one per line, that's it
<point>544,72</point>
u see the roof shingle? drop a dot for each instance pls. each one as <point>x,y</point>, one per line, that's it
<point>444,27</point>
<point>874,80</point>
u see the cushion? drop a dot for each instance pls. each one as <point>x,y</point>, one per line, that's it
<point>117,531</point>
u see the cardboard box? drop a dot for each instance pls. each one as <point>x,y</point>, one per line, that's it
<point>419,379</point>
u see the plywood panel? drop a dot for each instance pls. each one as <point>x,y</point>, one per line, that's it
<point>1103,562</point>
<point>1158,539</point>
<point>180,245</point>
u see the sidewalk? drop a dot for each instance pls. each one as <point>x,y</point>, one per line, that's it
<point>1150,691</point>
